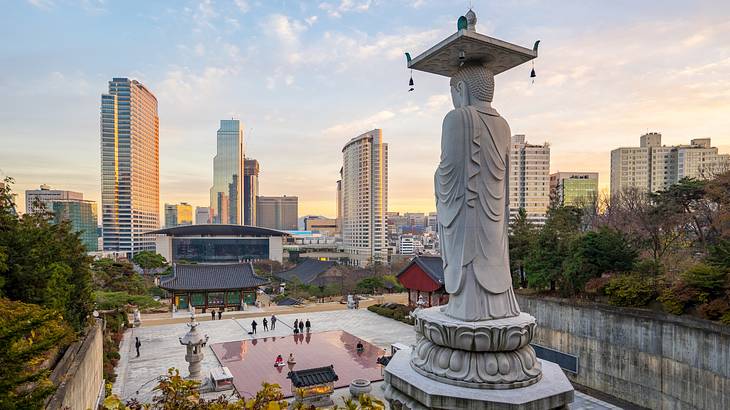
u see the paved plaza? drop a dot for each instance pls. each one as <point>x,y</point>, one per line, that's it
<point>137,376</point>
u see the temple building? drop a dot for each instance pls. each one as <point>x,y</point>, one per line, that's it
<point>424,276</point>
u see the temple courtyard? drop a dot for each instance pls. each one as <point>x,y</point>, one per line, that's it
<point>250,358</point>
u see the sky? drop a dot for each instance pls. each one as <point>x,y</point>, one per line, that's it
<point>306,76</point>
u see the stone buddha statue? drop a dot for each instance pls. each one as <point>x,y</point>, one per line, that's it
<point>472,200</point>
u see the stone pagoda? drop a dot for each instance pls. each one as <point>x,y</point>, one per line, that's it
<point>194,342</point>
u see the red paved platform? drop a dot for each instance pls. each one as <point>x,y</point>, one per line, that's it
<point>252,361</point>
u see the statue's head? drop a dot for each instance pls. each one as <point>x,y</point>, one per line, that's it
<point>473,82</point>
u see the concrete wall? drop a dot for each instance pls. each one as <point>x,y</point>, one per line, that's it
<point>79,374</point>
<point>648,358</point>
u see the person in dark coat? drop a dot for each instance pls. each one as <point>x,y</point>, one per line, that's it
<point>266,325</point>
<point>137,345</point>
<point>253,326</point>
<point>212,314</point>
<point>296,324</point>
<point>308,325</point>
<point>220,313</point>
<point>301,327</point>
<point>273,322</point>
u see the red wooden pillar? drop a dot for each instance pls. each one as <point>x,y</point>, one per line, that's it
<point>429,299</point>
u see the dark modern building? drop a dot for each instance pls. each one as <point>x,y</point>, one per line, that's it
<point>278,212</point>
<point>216,286</point>
<point>217,243</point>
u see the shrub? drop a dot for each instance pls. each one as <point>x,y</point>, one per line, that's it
<point>630,290</point>
<point>120,300</point>
<point>714,309</point>
<point>597,286</point>
<point>678,298</point>
<point>725,319</point>
<point>394,311</point>
<point>706,277</point>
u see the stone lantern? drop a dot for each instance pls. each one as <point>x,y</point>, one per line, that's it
<point>195,342</point>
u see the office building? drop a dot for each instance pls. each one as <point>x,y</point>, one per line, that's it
<point>365,198</point>
<point>81,215</point>
<point>277,212</point>
<point>250,190</point>
<point>42,197</point>
<point>406,245</point>
<point>202,215</point>
<point>529,179</point>
<point>226,192</point>
<point>653,167</point>
<point>178,214</point>
<point>573,188</point>
<point>320,224</point>
<point>130,167</point>
<point>338,203</point>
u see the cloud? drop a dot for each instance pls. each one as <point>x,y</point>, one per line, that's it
<point>355,127</point>
<point>183,87</point>
<point>285,29</point>
<point>311,20</point>
<point>242,5</point>
<point>42,4</point>
<point>345,6</point>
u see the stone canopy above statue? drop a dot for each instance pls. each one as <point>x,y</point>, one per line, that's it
<point>466,45</point>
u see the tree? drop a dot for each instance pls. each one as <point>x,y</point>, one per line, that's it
<point>521,240</point>
<point>43,263</point>
<point>544,262</point>
<point>370,284</point>
<point>29,335</point>
<point>594,254</point>
<point>148,260</point>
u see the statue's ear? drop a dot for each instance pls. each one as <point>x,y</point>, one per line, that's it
<point>463,92</point>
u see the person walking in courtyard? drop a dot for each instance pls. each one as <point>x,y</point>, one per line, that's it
<point>301,326</point>
<point>273,322</point>
<point>212,314</point>
<point>296,325</point>
<point>137,344</point>
<point>308,325</point>
<point>253,326</point>
<point>220,313</point>
<point>266,325</point>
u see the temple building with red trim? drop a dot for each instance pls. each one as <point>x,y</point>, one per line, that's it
<point>424,276</point>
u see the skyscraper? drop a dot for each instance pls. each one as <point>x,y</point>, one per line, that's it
<point>574,188</point>
<point>130,167</point>
<point>250,190</point>
<point>365,198</point>
<point>653,167</point>
<point>278,212</point>
<point>202,215</point>
<point>225,194</point>
<point>45,195</point>
<point>529,179</point>
<point>178,214</point>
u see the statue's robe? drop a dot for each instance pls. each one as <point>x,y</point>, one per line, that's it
<point>472,200</point>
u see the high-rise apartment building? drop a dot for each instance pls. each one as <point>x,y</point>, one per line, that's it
<point>338,203</point>
<point>203,215</point>
<point>653,167</point>
<point>365,198</point>
<point>250,190</point>
<point>130,166</point>
<point>34,198</point>
<point>226,192</point>
<point>529,179</point>
<point>278,212</point>
<point>178,214</point>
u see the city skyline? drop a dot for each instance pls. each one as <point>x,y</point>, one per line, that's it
<point>277,55</point>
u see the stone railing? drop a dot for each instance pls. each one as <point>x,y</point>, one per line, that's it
<point>647,358</point>
<point>79,373</point>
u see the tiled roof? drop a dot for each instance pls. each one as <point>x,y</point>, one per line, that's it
<point>212,277</point>
<point>288,302</point>
<point>313,377</point>
<point>307,271</point>
<point>432,265</point>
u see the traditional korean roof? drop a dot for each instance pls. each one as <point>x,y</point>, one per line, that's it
<point>212,277</point>
<point>313,377</point>
<point>306,271</point>
<point>219,230</point>
<point>432,265</point>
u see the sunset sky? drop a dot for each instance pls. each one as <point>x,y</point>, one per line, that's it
<point>305,77</point>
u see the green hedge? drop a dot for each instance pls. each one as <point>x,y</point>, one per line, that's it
<point>394,311</point>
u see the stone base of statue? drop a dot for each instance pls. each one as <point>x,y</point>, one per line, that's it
<point>486,364</point>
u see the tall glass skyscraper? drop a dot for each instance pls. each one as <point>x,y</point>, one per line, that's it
<point>250,191</point>
<point>130,167</point>
<point>226,192</point>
